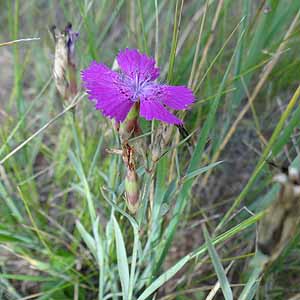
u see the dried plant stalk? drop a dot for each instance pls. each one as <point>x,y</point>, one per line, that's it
<point>279,225</point>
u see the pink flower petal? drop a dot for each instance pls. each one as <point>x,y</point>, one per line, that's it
<point>107,91</point>
<point>134,64</point>
<point>155,97</point>
<point>154,110</point>
<point>176,97</point>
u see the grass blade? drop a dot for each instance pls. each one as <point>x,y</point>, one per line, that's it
<point>122,260</point>
<point>200,171</point>
<point>88,239</point>
<point>248,291</point>
<point>224,283</point>
<point>162,279</point>
<point>264,156</point>
<point>100,257</point>
<point>80,172</point>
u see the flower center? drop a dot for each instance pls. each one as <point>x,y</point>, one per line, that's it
<point>133,87</point>
<point>137,87</point>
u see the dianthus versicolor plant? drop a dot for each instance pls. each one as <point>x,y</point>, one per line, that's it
<point>126,95</point>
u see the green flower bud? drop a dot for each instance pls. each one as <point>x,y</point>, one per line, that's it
<point>130,127</point>
<point>132,190</point>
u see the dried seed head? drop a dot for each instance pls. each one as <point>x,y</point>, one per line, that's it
<point>64,68</point>
<point>60,63</point>
<point>71,38</point>
<point>132,190</point>
<point>279,224</point>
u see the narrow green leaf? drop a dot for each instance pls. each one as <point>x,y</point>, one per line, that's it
<point>88,239</point>
<point>200,171</point>
<point>122,260</point>
<point>162,279</point>
<point>250,287</point>
<point>27,277</point>
<point>224,283</point>
<point>10,203</point>
<point>80,172</point>
<point>100,257</point>
<point>176,28</point>
<point>6,236</point>
<point>135,245</point>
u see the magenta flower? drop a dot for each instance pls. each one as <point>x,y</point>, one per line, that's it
<point>115,93</point>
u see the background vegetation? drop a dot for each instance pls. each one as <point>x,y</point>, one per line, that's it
<point>65,232</point>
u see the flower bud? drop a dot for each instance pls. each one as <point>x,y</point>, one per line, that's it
<point>132,190</point>
<point>130,127</point>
